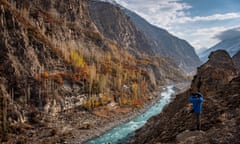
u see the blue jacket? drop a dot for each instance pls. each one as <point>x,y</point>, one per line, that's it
<point>196,103</point>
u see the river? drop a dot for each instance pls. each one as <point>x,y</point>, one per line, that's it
<point>121,132</point>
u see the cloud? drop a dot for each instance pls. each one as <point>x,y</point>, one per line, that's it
<point>168,13</point>
<point>214,17</point>
<point>207,37</point>
<point>162,13</point>
<point>228,34</point>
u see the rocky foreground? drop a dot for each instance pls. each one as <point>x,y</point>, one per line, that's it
<point>219,82</point>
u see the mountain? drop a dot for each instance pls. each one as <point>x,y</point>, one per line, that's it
<point>219,82</point>
<point>148,38</point>
<point>165,44</point>
<point>60,73</point>
<point>115,24</point>
<point>232,46</point>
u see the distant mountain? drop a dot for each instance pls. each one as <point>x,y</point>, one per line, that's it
<point>142,36</point>
<point>232,46</point>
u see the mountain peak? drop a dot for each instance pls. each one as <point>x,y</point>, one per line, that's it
<point>219,56</point>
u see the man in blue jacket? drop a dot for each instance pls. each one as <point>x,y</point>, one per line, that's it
<point>196,99</point>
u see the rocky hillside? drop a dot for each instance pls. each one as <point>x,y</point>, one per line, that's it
<point>236,59</point>
<point>116,25</point>
<point>143,36</point>
<point>57,68</point>
<point>218,81</point>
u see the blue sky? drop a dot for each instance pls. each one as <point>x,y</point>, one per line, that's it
<point>201,22</point>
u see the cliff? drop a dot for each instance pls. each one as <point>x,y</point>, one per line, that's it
<point>218,81</point>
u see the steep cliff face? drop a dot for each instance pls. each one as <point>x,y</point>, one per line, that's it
<point>116,25</point>
<point>219,83</point>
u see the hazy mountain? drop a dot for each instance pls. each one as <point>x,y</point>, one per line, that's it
<point>232,46</point>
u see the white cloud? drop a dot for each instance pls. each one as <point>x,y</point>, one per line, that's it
<point>165,13</point>
<point>162,13</point>
<point>206,37</point>
<point>214,17</point>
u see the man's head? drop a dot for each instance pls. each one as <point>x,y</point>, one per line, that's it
<point>195,94</point>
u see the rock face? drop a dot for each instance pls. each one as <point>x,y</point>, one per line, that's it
<point>220,84</point>
<point>215,73</point>
<point>236,59</point>
<point>134,32</point>
<point>116,25</point>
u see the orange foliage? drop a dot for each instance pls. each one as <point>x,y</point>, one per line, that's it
<point>45,75</point>
<point>137,103</point>
<point>58,78</point>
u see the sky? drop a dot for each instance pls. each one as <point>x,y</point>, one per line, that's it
<point>203,23</point>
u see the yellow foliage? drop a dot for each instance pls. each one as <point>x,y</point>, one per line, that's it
<point>102,82</point>
<point>77,59</point>
<point>134,89</point>
<point>107,57</point>
<point>87,104</point>
<point>104,99</point>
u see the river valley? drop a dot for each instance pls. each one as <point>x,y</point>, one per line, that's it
<point>120,133</point>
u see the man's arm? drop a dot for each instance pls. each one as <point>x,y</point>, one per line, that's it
<point>192,99</point>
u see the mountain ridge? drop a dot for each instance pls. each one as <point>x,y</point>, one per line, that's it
<point>166,44</point>
<point>232,46</point>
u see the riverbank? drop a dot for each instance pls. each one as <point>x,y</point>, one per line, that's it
<point>100,123</point>
<point>120,119</point>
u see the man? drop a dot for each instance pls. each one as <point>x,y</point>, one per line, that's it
<point>196,99</point>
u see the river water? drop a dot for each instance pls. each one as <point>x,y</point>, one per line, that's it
<point>121,132</point>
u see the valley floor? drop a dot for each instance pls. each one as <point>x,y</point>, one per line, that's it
<point>78,125</point>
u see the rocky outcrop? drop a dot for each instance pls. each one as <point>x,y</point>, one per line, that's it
<point>236,59</point>
<point>220,85</point>
<point>215,73</point>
